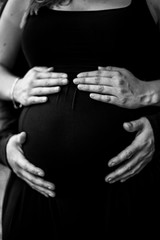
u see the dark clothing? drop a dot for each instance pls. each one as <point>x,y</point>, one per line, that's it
<point>72,137</point>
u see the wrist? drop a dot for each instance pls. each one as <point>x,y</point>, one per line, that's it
<point>154,93</point>
<point>16,104</point>
<point>151,93</point>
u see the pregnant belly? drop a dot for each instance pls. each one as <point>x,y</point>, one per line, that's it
<point>73,130</point>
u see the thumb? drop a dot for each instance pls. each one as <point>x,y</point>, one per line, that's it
<point>21,138</point>
<point>133,126</point>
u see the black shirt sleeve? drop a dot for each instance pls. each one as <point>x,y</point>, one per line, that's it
<point>8,126</point>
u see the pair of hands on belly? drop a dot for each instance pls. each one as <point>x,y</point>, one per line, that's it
<point>108,84</point>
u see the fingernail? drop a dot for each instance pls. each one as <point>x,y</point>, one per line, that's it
<point>108,180</point>
<point>51,194</point>
<point>50,68</point>
<point>44,99</point>
<point>64,75</point>
<point>40,173</point>
<point>110,164</point>
<point>80,75</point>
<point>129,125</point>
<point>122,181</point>
<point>76,80</point>
<point>50,187</point>
<point>65,80</point>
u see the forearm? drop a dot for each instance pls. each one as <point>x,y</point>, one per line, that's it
<point>6,81</point>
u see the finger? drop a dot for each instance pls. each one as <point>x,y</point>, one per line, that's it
<point>24,164</point>
<point>141,158</point>
<point>105,98</point>
<point>21,138</point>
<point>37,100</point>
<point>94,80</point>
<point>48,75</point>
<point>124,169</point>
<point>112,68</point>
<point>96,89</point>
<point>37,181</point>
<point>126,154</point>
<point>40,189</point>
<point>32,186</point>
<point>42,91</point>
<point>96,73</point>
<point>50,82</point>
<point>134,172</point>
<point>134,126</point>
<point>145,159</point>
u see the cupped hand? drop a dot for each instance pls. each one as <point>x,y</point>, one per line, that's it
<point>38,82</point>
<point>135,157</point>
<point>31,174</point>
<point>116,86</point>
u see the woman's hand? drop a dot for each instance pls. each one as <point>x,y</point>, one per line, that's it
<point>24,169</point>
<point>116,86</point>
<point>39,82</point>
<point>136,156</point>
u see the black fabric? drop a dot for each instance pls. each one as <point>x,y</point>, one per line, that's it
<point>8,126</point>
<point>72,137</point>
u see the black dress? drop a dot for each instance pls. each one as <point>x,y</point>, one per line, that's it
<point>72,137</point>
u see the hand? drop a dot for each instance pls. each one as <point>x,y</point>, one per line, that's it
<point>136,156</point>
<point>116,86</point>
<point>37,84</point>
<point>24,169</point>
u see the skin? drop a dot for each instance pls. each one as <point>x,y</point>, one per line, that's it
<point>138,154</point>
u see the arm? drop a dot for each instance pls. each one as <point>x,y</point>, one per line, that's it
<point>10,33</point>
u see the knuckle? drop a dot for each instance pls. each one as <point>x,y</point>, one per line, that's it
<point>117,76</point>
<point>47,83</point>
<point>102,73</point>
<point>121,81</point>
<point>101,89</point>
<point>133,171</point>
<point>97,79</point>
<point>40,91</point>
<point>33,101</point>
<point>123,100</point>
<point>128,154</point>
<point>121,90</point>
<point>109,68</point>
<point>51,90</point>
<point>34,75</point>
<point>118,80</point>
<point>128,168</point>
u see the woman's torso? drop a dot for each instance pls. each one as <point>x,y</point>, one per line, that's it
<point>71,129</point>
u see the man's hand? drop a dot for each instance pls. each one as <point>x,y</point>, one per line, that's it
<point>135,157</point>
<point>116,86</point>
<point>24,169</point>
